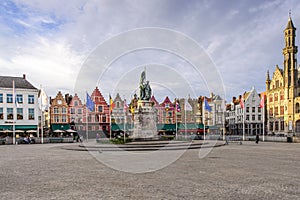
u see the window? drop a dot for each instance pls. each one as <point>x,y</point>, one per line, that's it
<point>30,99</point>
<point>247,109</point>
<point>63,110</point>
<point>104,118</point>
<point>9,98</point>
<point>270,98</point>
<point>30,113</point>
<point>19,113</point>
<point>72,110</point>
<point>76,103</point>
<point>271,126</point>
<point>100,109</point>
<point>79,111</point>
<point>276,110</point>
<point>282,126</point>
<point>276,126</point>
<point>247,117</point>
<point>55,110</point>
<point>281,96</point>
<point>1,98</point>
<point>271,112</point>
<point>56,119</point>
<point>259,117</point>
<point>253,117</point>
<point>259,109</point>
<point>10,113</point>
<point>277,83</point>
<point>1,113</point>
<point>63,118</point>
<point>253,109</point>
<point>276,97</point>
<point>281,110</point>
<point>19,98</point>
<point>118,104</point>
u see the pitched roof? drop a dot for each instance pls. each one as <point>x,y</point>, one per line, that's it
<point>20,82</point>
<point>290,24</point>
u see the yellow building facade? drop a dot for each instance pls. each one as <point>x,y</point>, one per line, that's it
<point>283,90</point>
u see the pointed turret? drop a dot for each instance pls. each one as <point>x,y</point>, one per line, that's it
<point>290,24</point>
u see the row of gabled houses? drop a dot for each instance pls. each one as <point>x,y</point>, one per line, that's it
<point>69,112</point>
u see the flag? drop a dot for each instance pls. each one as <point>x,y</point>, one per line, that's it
<point>262,101</point>
<point>131,108</point>
<point>187,106</point>
<point>242,102</point>
<point>206,106</point>
<point>89,102</point>
<point>177,106</point>
<point>125,105</point>
<point>111,104</point>
<point>43,100</point>
<point>15,100</point>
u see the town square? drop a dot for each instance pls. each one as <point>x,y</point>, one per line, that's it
<point>249,171</point>
<point>149,99</point>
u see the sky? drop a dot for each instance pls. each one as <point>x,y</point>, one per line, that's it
<point>55,44</point>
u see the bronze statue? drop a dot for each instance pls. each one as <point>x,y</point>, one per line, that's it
<point>145,89</point>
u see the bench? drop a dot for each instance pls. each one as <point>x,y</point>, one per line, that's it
<point>236,139</point>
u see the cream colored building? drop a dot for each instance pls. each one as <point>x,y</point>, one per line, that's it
<point>283,90</point>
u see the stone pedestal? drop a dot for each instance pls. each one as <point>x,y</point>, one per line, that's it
<point>144,120</point>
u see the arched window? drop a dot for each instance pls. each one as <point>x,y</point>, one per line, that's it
<point>271,98</point>
<point>297,107</point>
<point>276,97</point>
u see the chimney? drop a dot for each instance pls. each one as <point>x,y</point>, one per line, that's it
<point>24,76</point>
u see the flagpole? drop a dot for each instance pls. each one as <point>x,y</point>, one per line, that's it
<point>110,113</point>
<point>223,118</point>
<point>175,120</point>
<point>244,120</point>
<point>185,118</point>
<point>203,117</point>
<point>86,118</point>
<point>263,111</point>
<point>14,108</point>
<point>42,119</point>
<point>124,120</point>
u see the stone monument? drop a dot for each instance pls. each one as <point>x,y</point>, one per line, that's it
<point>144,114</point>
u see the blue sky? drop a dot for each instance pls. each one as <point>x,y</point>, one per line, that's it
<point>50,41</point>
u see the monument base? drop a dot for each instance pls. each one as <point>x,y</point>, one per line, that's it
<point>144,121</point>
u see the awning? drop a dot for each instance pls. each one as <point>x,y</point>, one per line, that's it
<point>60,127</point>
<point>18,127</point>
<point>120,127</point>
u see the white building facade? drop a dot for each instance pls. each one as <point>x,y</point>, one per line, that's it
<point>247,119</point>
<point>23,112</point>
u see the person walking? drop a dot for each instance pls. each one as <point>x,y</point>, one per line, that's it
<point>257,139</point>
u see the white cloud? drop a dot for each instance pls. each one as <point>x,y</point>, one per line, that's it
<point>50,42</point>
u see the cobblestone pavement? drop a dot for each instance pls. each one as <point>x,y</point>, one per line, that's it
<point>248,171</point>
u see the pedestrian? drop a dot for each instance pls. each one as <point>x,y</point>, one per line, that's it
<point>257,138</point>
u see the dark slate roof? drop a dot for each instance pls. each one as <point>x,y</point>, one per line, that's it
<point>20,82</point>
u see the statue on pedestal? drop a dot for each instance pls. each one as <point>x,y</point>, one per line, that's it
<point>145,89</point>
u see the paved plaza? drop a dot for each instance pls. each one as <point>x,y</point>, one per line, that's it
<point>249,171</point>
